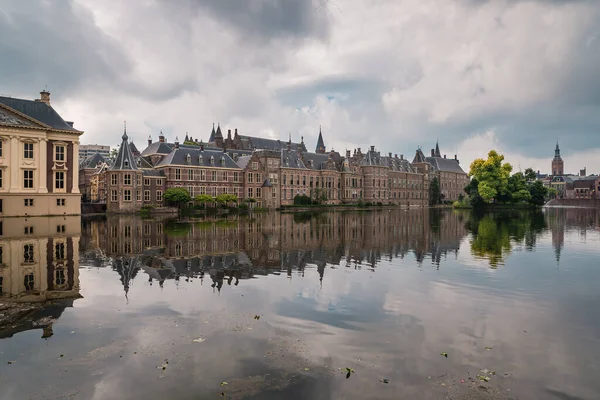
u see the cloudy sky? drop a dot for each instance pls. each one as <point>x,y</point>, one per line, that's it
<point>514,75</point>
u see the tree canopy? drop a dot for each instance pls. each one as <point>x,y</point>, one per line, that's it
<point>492,176</point>
<point>176,195</point>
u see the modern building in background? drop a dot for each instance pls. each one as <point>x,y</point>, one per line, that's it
<point>39,168</point>
<point>266,172</point>
<point>86,150</point>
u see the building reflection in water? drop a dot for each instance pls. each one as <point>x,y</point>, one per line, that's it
<point>227,250</point>
<point>39,262</point>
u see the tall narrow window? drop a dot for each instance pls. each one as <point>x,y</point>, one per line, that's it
<point>159,195</point>
<point>28,256</point>
<point>177,174</point>
<point>28,178</point>
<point>1,175</point>
<point>1,148</point>
<point>59,251</point>
<point>59,180</point>
<point>59,153</point>
<point>127,195</point>
<point>127,179</point>
<point>29,282</point>
<point>28,150</point>
<point>147,195</point>
<point>60,277</point>
<point>190,174</point>
<point>113,195</point>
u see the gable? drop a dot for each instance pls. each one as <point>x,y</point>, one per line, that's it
<point>8,118</point>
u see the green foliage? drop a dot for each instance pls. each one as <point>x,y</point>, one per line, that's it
<point>530,175</point>
<point>538,192</point>
<point>190,143</point>
<point>226,199</point>
<point>435,194</point>
<point>319,195</point>
<point>552,192</point>
<point>178,228</point>
<point>492,176</point>
<point>204,198</point>
<point>176,195</point>
<point>302,200</point>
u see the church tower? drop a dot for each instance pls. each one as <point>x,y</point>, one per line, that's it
<point>320,144</point>
<point>557,162</point>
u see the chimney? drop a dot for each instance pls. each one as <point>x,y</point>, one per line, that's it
<point>45,97</point>
<point>358,151</point>
<point>161,137</point>
<point>455,157</point>
<point>149,140</point>
<point>176,142</point>
<point>372,148</point>
<point>202,147</point>
<point>390,155</point>
<point>444,156</point>
<point>229,134</point>
<point>236,132</point>
<point>402,156</point>
<point>432,153</point>
<point>347,153</point>
<point>396,155</point>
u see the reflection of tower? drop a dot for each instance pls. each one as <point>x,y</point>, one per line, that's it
<point>557,162</point>
<point>321,270</point>
<point>558,233</point>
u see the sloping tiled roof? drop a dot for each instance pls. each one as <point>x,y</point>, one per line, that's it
<point>319,161</point>
<point>153,172</point>
<point>124,159</point>
<point>252,142</point>
<point>290,159</point>
<point>243,161</point>
<point>419,157</point>
<point>39,111</point>
<point>198,158</point>
<point>92,161</point>
<point>445,164</point>
<point>371,158</point>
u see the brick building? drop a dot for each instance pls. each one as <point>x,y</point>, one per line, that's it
<point>266,173</point>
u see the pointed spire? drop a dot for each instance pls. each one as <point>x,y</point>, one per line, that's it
<point>437,149</point>
<point>218,134</point>
<point>320,143</point>
<point>187,138</point>
<point>212,134</point>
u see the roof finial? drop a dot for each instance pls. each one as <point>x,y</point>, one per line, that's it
<point>124,130</point>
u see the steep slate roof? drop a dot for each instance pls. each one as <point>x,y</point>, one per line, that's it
<point>290,159</point>
<point>39,111</point>
<point>198,158</point>
<point>125,159</point>
<point>371,158</point>
<point>437,150</point>
<point>153,172</point>
<point>92,161</point>
<point>445,164</point>
<point>134,149</point>
<point>252,142</point>
<point>212,134</point>
<point>243,161</point>
<point>319,161</point>
<point>419,157</point>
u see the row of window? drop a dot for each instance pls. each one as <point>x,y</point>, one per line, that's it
<point>29,203</point>
<point>59,179</point>
<point>59,151</point>
<point>201,175</point>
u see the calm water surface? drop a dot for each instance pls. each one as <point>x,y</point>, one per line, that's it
<point>279,305</point>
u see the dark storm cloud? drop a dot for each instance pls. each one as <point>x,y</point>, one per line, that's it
<point>55,44</point>
<point>267,19</point>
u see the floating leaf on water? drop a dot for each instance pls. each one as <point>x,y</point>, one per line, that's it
<point>384,380</point>
<point>488,348</point>
<point>307,369</point>
<point>198,340</point>
<point>224,383</point>
<point>444,354</point>
<point>485,371</point>
<point>61,356</point>
<point>257,317</point>
<point>348,375</point>
<point>483,378</point>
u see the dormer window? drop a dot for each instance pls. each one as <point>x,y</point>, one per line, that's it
<point>139,162</point>
<point>200,159</point>
<point>212,160</point>
<point>188,158</point>
<point>126,163</point>
<point>223,161</point>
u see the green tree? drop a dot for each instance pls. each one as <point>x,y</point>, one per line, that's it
<point>226,199</point>
<point>492,176</point>
<point>530,175</point>
<point>435,195</point>
<point>177,196</point>
<point>472,191</point>
<point>302,200</point>
<point>538,192</point>
<point>518,191</point>
<point>204,198</point>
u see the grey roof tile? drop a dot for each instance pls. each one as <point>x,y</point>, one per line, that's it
<point>92,161</point>
<point>39,111</point>
<point>198,158</point>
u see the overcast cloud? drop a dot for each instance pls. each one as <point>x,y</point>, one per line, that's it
<point>513,75</point>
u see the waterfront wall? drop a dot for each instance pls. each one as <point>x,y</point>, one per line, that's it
<point>587,203</point>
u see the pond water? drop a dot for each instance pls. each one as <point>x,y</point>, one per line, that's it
<point>415,304</point>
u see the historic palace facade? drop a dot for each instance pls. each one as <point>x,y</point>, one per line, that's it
<point>271,172</point>
<point>38,159</point>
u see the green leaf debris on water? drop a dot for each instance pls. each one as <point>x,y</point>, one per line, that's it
<point>224,383</point>
<point>307,369</point>
<point>444,354</point>
<point>198,340</point>
<point>257,317</point>
<point>164,365</point>
<point>61,356</point>
<point>349,372</point>
<point>483,378</point>
<point>488,348</point>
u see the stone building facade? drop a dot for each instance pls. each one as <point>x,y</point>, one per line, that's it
<point>38,159</point>
<point>267,173</point>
